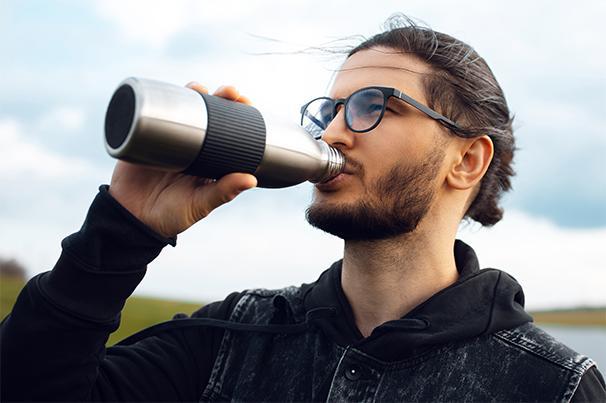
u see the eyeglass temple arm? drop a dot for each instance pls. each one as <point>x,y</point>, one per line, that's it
<point>430,112</point>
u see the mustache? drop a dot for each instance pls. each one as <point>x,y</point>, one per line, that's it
<point>353,166</point>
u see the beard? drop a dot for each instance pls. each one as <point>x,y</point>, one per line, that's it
<point>393,205</point>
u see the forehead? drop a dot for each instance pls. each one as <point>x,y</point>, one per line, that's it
<point>381,67</point>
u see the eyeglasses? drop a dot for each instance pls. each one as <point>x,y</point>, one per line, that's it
<point>364,110</point>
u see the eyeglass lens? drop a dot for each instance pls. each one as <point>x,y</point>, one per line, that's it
<point>317,116</point>
<point>363,110</point>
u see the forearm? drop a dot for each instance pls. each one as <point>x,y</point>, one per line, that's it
<point>54,339</point>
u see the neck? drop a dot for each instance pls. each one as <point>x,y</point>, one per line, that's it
<point>385,279</point>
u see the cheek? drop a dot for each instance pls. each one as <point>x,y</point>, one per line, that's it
<point>395,148</point>
<point>391,144</point>
<point>380,162</point>
<point>411,131</point>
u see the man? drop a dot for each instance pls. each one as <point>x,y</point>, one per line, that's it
<point>405,316</point>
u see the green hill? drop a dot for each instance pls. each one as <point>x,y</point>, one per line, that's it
<point>138,313</point>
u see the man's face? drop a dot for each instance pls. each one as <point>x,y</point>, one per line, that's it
<point>393,171</point>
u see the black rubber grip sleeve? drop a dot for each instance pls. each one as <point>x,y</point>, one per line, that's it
<point>234,142</point>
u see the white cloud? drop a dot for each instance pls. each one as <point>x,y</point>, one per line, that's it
<point>140,21</point>
<point>156,24</point>
<point>63,118</point>
<point>556,266</point>
<point>515,27</point>
<point>24,159</point>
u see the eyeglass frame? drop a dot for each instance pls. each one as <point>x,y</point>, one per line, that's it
<point>388,92</point>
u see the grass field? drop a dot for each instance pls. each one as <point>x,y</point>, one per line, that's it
<point>140,312</point>
<point>572,317</point>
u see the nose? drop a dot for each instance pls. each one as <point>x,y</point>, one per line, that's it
<point>337,134</point>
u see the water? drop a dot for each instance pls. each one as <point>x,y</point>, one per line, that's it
<point>589,341</point>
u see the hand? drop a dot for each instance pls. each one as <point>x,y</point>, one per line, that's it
<point>169,202</point>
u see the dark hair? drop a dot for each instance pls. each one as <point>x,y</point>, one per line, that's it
<point>463,88</point>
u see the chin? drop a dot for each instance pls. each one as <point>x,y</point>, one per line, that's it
<point>335,199</point>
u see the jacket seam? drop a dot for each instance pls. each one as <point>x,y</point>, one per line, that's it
<point>334,376</point>
<point>540,352</point>
<point>407,362</point>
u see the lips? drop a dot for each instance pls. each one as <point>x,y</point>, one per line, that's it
<point>351,168</point>
<point>347,171</point>
<point>334,183</point>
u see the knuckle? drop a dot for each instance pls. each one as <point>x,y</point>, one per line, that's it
<point>200,213</point>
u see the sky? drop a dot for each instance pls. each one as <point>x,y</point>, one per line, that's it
<point>62,60</point>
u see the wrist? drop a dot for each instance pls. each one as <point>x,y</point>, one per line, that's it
<point>112,238</point>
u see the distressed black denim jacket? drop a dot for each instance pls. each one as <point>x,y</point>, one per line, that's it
<point>470,342</point>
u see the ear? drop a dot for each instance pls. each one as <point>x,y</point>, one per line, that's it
<point>471,163</point>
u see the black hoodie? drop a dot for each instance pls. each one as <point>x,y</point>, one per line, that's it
<point>53,342</point>
<point>480,302</point>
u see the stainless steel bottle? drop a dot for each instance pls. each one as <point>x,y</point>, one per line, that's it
<point>178,129</point>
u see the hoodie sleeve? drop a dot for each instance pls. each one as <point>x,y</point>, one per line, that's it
<point>592,388</point>
<point>52,344</point>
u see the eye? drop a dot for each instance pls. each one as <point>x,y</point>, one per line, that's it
<point>375,107</point>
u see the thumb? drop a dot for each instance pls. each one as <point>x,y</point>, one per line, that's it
<point>213,195</point>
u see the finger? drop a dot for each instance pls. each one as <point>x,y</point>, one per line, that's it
<point>194,85</point>
<point>228,92</point>
<point>244,99</point>
<point>213,195</point>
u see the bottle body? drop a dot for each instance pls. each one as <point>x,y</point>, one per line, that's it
<point>178,129</point>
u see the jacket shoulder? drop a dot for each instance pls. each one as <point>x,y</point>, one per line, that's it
<point>264,306</point>
<point>534,340</point>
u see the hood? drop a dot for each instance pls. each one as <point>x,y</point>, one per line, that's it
<point>481,302</point>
